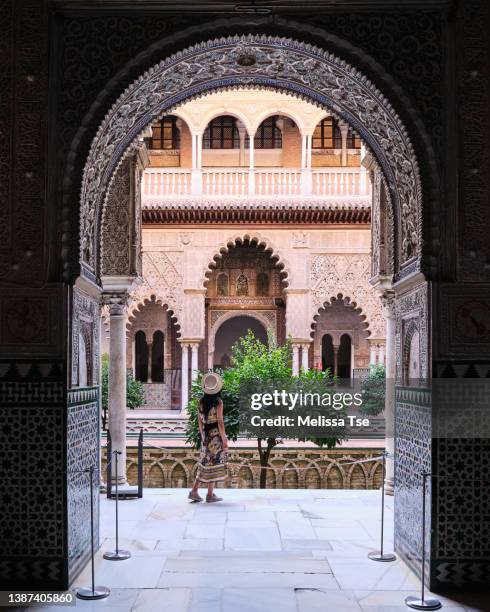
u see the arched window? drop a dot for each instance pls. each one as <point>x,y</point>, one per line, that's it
<point>328,360</point>
<point>157,371</point>
<point>327,135</point>
<point>267,136</point>
<point>222,287</point>
<point>262,283</point>
<point>165,134</point>
<point>344,357</point>
<point>221,133</point>
<point>140,357</point>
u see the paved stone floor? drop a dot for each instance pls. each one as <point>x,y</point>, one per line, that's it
<point>257,551</point>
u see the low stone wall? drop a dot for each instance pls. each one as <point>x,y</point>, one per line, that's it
<point>291,468</point>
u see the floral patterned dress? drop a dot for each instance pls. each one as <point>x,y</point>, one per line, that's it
<point>212,460</point>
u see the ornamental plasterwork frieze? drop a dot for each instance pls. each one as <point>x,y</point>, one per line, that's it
<point>273,61</point>
<point>162,278</point>
<point>348,276</point>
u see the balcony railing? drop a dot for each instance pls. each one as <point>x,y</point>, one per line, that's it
<point>261,182</point>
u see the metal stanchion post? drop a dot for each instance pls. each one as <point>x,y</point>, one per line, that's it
<point>421,603</point>
<point>93,592</point>
<point>381,555</point>
<point>117,555</point>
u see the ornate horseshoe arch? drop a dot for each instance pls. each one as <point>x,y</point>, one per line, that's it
<point>262,61</point>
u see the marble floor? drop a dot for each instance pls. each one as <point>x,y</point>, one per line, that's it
<point>257,551</point>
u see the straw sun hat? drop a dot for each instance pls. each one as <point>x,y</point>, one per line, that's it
<point>211,383</point>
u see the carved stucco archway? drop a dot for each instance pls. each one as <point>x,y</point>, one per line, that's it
<point>252,237</point>
<point>261,61</point>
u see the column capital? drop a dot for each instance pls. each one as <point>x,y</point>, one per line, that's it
<point>117,302</point>
<point>388,301</point>
<point>190,341</point>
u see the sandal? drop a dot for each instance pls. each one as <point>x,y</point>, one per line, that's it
<point>194,496</point>
<point>210,499</point>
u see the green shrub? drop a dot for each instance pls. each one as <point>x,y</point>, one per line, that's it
<point>373,389</point>
<point>255,364</point>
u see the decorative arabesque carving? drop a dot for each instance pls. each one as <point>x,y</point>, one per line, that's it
<point>116,230</point>
<point>411,313</point>
<point>289,64</point>
<point>86,313</point>
<point>348,276</point>
<point>382,228</point>
<point>162,278</point>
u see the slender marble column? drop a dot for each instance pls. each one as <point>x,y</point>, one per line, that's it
<point>196,172</point>
<point>117,384</point>
<point>390,368</point>
<point>372,355</point>
<point>194,366</point>
<point>185,376</point>
<point>251,160</point>
<point>335,360</point>
<point>295,359</point>
<point>150,356</point>
<point>304,356</point>
<point>344,130</point>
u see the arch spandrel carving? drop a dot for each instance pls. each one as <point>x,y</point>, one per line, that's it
<point>161,280</point>
<point>347,276</point>
<point>277,62</point>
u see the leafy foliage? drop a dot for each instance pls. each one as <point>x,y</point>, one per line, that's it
<point>255,365</point>
<point>373,389</point>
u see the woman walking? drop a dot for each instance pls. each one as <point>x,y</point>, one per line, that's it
<point>214,443</point>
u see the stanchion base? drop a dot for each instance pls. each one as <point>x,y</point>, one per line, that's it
<point>385,557</point>
<point>117,555</point>
<point>431,603</point>
<point>99,592</point>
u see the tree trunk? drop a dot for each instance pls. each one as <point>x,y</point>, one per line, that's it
<point>264,455</point>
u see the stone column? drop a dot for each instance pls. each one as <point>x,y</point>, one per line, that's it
<point>304,356</point>
<point>306,172</point>
<point>344,131</point>
<point>381,354</point>
<point>242,132</point>
<point>372,354</point>
<point>194,366</point>
<point>295,359</point>
<point>390,368</point>
<point>196,172</point>
<point>117,382</point>
<point>150,351</point>
<point>185,376</point>
<point>335,359</point>
<point>251,164</point>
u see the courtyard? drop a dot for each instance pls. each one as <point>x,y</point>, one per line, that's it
<point>258,550</point>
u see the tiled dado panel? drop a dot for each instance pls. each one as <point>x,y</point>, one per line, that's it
<point>461,459</point>
<point>82,453</point>
<point>32,528</point>
<point>413,444</point>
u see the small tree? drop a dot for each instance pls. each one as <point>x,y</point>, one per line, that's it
<point>135,394</point>
<point>373,389</point>
<point>257,365</point>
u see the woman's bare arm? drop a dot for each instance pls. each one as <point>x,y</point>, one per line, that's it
<point>199,421</point>
<point>221,426</point>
